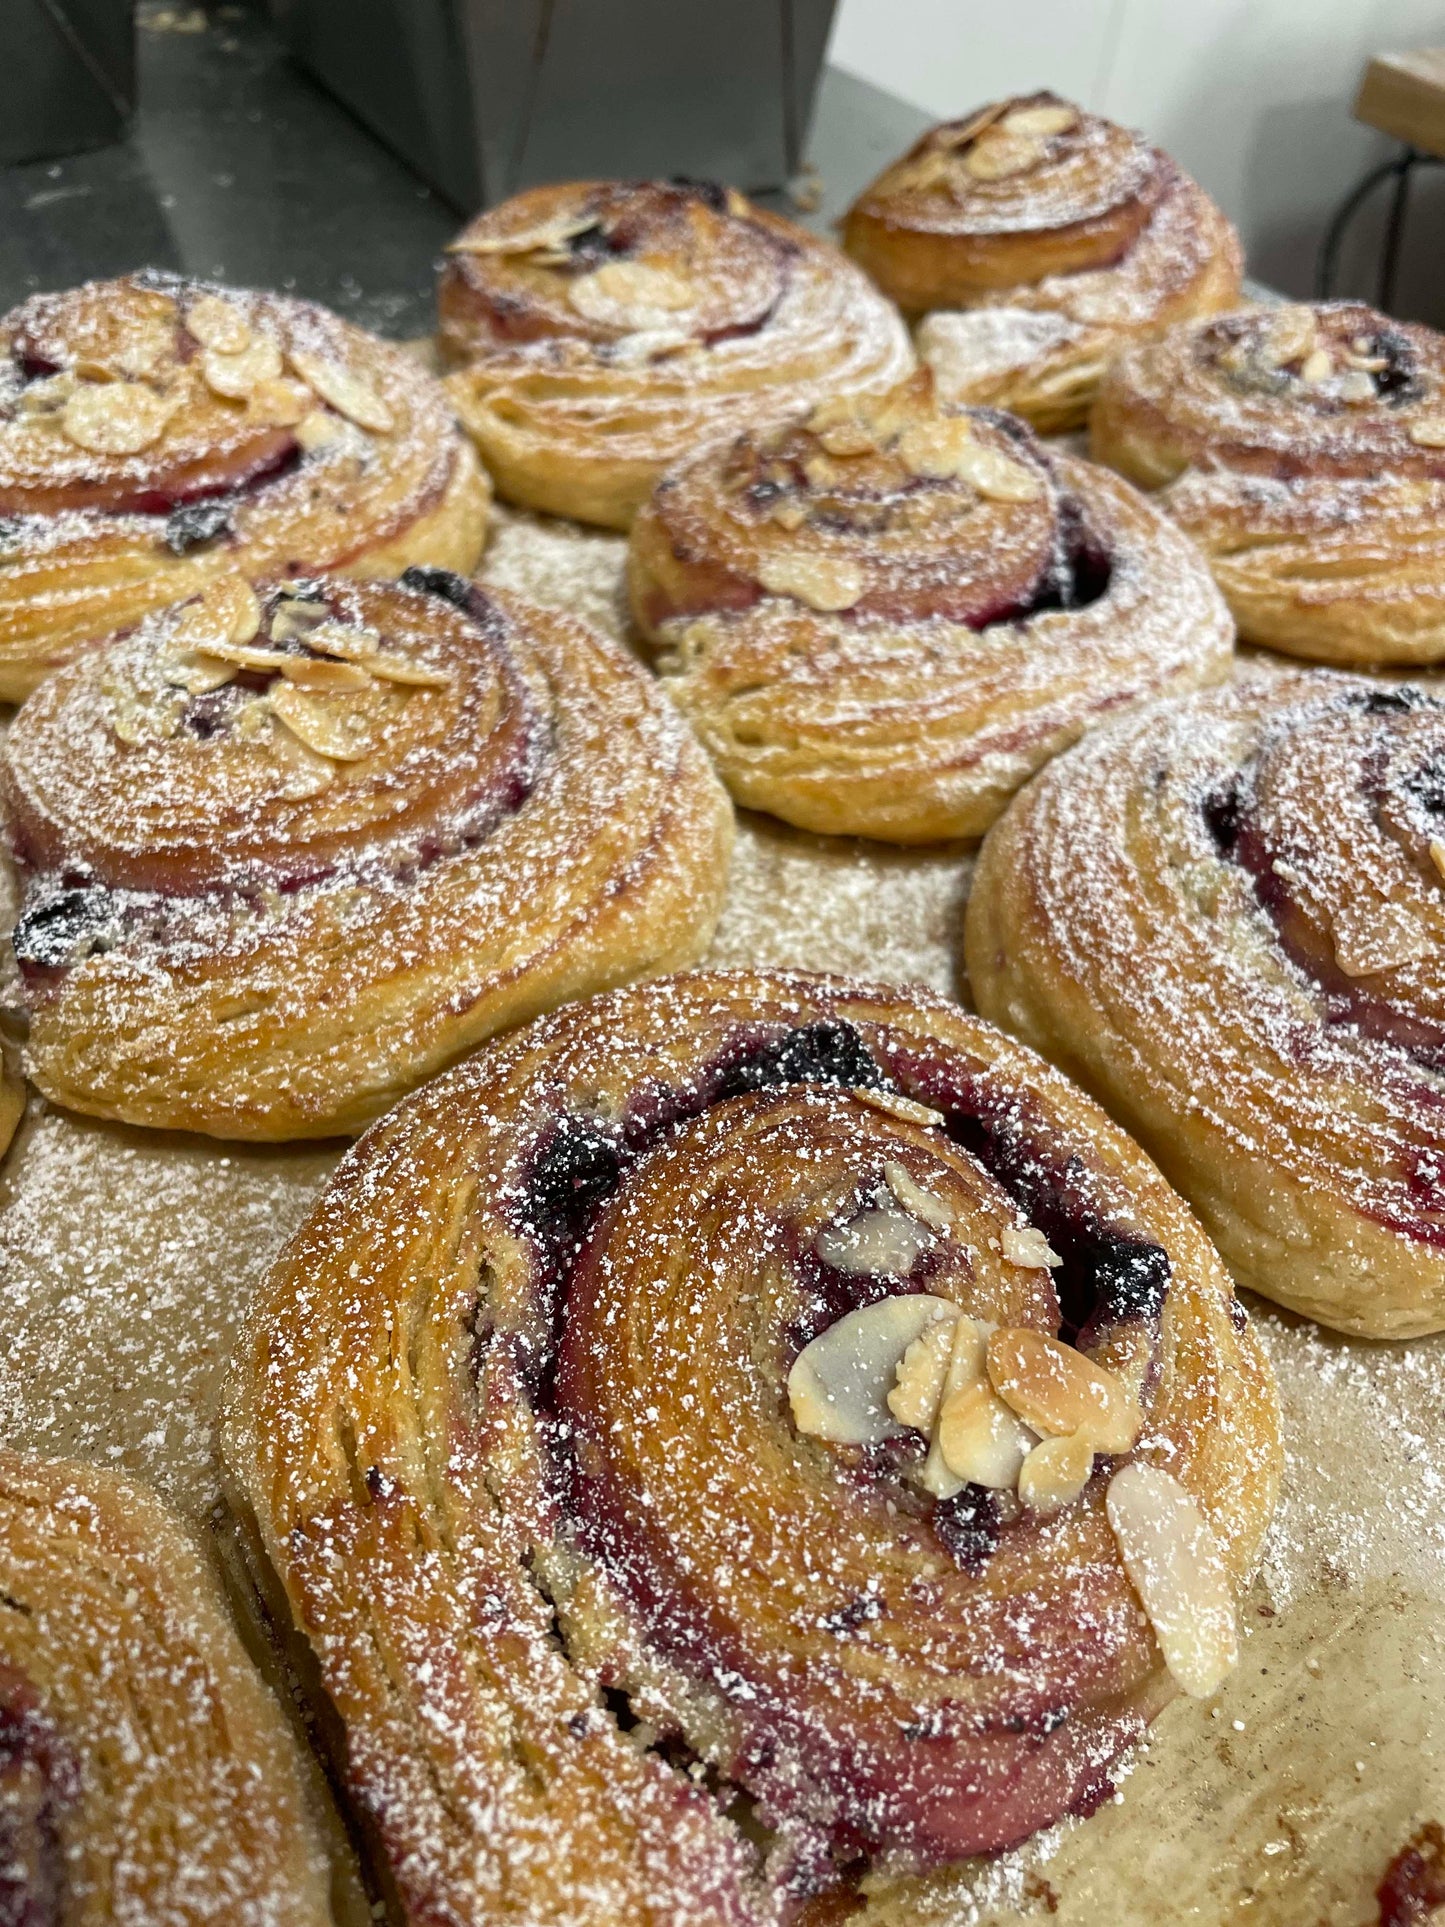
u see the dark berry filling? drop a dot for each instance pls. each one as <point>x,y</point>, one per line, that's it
<point>63,929</point>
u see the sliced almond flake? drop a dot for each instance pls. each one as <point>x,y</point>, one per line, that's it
<point>976,124</point>
<point>935,448</point>
<point>316,724</point>
<point>920,1378</point>
<point>931,168</point>
<point>347,641</point>
<point>226,612</point>
<point>1357,388</point>
<point>1429,432</point>
<point>218,324</point>
<point>1437,854</point>
<point>1175,1565</point>
<point>344,391</point>
<point>876,1242</point>
<point>897,1105</point>
<point>199,674</point>
<point>1058,1391</point>
<point>1368,364</point>
<point>304,773</point>
<point>400,669</point>
<point>320,429</point>
<point>295,616</point>
<point>323,672</point>
<point>1291,334</point>
<point>1040,121</point>
<point>1316,367</point>
<point>789,512</point>
<point>921,1204</point>
<point>48,396</point>
<point>115,417</point>
<point>649,344</point>
<point>999,156</point>
<point>1382,937</point>
<point>278,404</point>
<point>982,1440</point>
<point>1026,1245</point>
<point>839,1384</point>
<point>823,582</point>
<point>525,240</point>
<point>997,476</point>
<point>738,205</point>
<point>239,655</point>
<point>1055,1473</point>
<point>848,438</point>
<point>967,1365</point>
<point>235,377</point>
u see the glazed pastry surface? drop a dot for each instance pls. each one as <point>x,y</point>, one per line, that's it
<point>147,1778</point>
<point>1036,240</point>
<point>607,329</point>
<point>287,851</point>
<point>600,1539</point>
<point>1303,448</point>
<point>156,433</point>
<point>1224,916</point>
<point>881,618</point>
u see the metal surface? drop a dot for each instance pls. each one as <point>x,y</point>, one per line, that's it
<point>67,75</point>
<point>238,166</point>
<point>484,97</point>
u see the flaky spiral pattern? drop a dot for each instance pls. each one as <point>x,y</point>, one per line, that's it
<point>883,617</point>
<point>1225,916</point>
<point>147,1778</point>
<point>512,1422</point>
<point>1304,449</point>
<point>156,433</point>
<point>607,329</point>
<point>1069,237</point>
<point>286,852</point>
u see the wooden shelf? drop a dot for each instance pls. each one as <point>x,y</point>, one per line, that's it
<point>1404,95</point>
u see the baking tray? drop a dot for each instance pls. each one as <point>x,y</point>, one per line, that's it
<point>126,1259</point>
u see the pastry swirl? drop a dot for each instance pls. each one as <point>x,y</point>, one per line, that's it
<point>607,329</point>
<point>1069,235</point>
<point>1224,915</point>
<point>288,850</point>
<point>883,617</point>
<point>156,433</point>
<point>1304,450</point>
<point>535,1419</point>
<point>147,1778</point>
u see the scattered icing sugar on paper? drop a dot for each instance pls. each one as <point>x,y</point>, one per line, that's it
<point>126,1259</point>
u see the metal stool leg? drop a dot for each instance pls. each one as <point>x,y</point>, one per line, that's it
<point>1394,228</point>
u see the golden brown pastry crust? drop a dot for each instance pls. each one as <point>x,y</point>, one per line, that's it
<point>146,1775</point>
<point>273,882</point>
<point>881,619</point>
<point>1224,916</point>
<point>608,329</point>
<point>510,1417</point>
<point>1304,450</point>
<point>139,461</point>
<point>1067,234</point>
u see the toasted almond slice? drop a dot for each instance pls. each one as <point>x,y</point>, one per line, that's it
<point>839,1384</point>
<point>316,723</point>
<point>982,1440</point>
<point>998,156</point>
<point>930,169</point>
<point>1381,939</point>
<point>49,395</point>
<point>304,773</point>
<point>322,672</point>
<point>1368,364</point>
<point>1175,1565</point>
<point>320,429</point>
<point>649,344</point>
<point>895,1104</point>
<point>876,1242</point>
<point>218,324</point>
<point>347,641</point>
<point>827,583</point>
<point>400,669</point>
<point>917,1202</point>
<point>1058,1391</point>
<point>921,1373</point>
<point>226,611</point>
<point>789,512</point>
<point>234,377</point>
<point>975,125</point>
<point>296,616</point>
<point>344,391</point>
<point>935,448</point>
<point>524,240</point>
<point>1040,121</point>
<point>966,1366</point>
<point>278,404</point>
<point>115,417</point>
<point>1028,1246</point>
<point>1357,388</point>
<point>239,655</point>
<point>1437,854</point>
<point>1316,367</point>
<point>997,476</point>
<point>848,438</point>
<point>1291,334</point>
<point>198,674</point>
<point>1428,432</point>
<point>12,1104</point>
<point>630,288</point>
<point>1055,1473</point>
